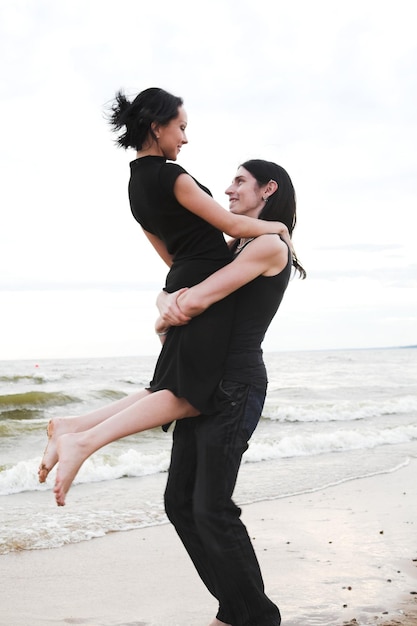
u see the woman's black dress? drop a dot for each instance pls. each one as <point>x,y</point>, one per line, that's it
<point>192,358</point>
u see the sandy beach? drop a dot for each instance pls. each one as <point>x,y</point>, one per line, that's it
<point>345,555</point>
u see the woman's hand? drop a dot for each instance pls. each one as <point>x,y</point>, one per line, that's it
<point>170,313</point>
<point>283,232</point>
<point>285,236</point>
<point>161,329</point>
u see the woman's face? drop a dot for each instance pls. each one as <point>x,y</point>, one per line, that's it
<point>245,194</point>
<point>171,137</point>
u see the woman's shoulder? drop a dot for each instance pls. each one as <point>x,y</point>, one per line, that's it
<point>171,167</point>
<point>169,173</point>
<point>270,250</point>
<point>270,243</point>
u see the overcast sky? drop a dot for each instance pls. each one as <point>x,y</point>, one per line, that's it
<point>326,89</point>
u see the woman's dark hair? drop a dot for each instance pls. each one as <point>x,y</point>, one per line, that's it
<point>281,205</point>
<point>151,105</point>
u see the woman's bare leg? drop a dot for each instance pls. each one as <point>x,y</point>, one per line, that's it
<point>217,622</point>
<point>62,425</point>
<point>155,409</point>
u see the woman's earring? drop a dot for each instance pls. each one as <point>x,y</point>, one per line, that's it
<point>265,198</point>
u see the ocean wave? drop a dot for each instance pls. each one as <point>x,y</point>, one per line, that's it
<point>109,395</point>
<point>265,448</point>
<point>110,465</point>
<point>19,427</point>
<point>336,411</point>
<point>54,530</point>
<point>102,466</point>
<point>36,525</point>
<point>18,378</point>
<point>37,400</point>
<point>13,416</point>
<point>31,399</point>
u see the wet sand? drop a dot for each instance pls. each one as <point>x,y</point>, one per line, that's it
<point>342,556</point>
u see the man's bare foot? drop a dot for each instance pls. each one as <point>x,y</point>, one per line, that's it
<point>71,455</point>
<point>57,426</point>
<point>217,622</point>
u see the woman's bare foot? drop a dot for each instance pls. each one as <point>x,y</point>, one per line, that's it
<point>71,455</point>
<point>57,426</point>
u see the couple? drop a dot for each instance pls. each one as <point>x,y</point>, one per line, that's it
<point>217,304</point>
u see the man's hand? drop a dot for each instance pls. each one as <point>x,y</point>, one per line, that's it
<point>169,311</point>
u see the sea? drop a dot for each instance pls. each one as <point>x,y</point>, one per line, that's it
<point>329,417</point>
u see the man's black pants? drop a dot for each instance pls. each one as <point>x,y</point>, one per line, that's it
<point>206,456</point>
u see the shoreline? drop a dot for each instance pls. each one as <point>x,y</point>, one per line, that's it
<point>342,556</point>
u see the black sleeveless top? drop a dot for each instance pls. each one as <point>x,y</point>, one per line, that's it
<point>256,304</point>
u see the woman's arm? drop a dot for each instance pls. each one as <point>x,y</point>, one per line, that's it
<point>189,194</point>
<point>265,256</point>
<point>160,247</point>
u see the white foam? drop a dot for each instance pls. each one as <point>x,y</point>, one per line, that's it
<point>101,466</point>
<point>265,447</point>
<point>340,410</point>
